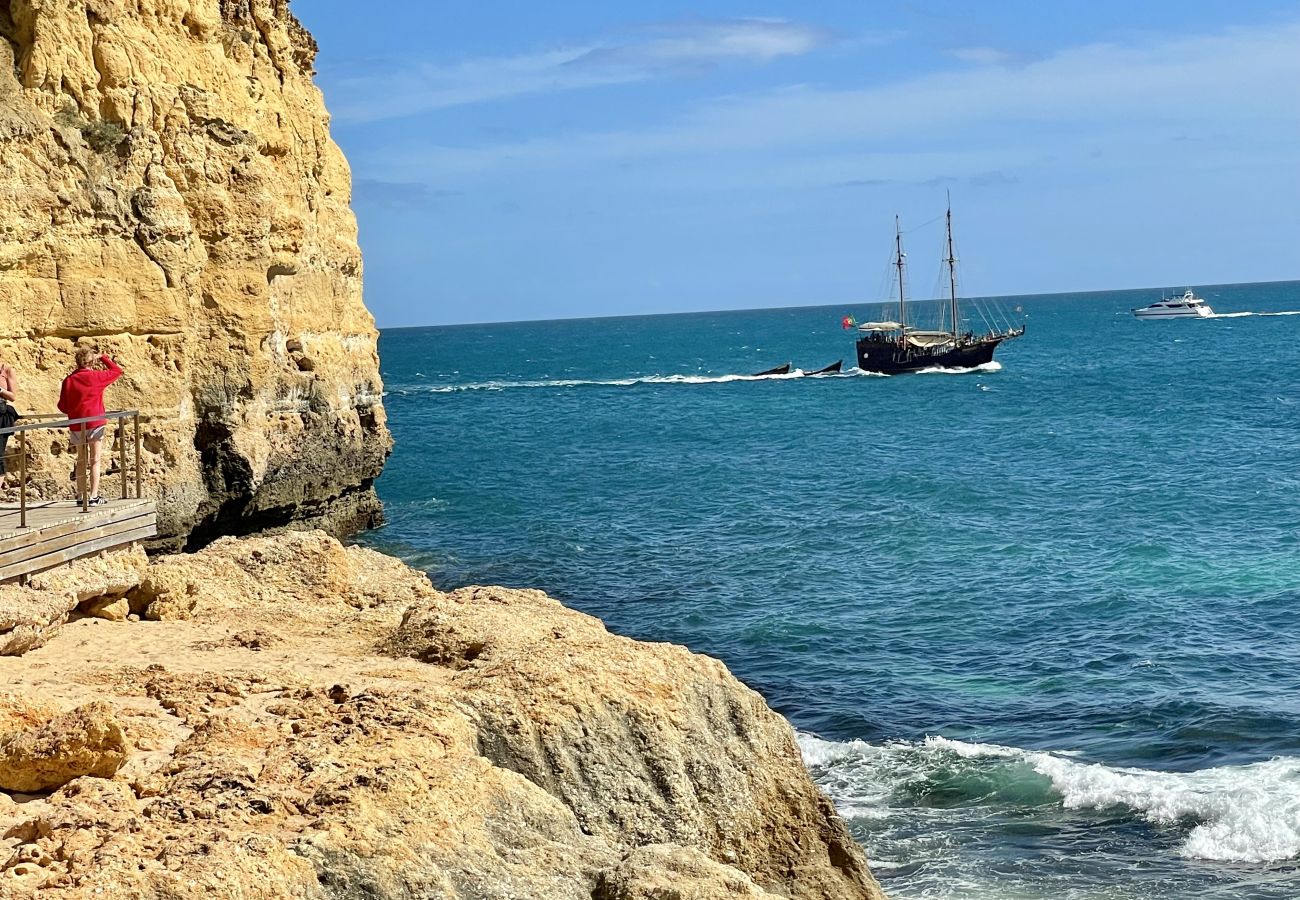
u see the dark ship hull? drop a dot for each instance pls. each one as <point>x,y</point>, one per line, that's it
<point>890,358</point>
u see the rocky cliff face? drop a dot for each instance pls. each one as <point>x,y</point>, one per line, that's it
<point>169,193</point>
<point>290,718</point>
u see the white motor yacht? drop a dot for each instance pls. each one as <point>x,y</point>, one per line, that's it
<point>1188,306</point>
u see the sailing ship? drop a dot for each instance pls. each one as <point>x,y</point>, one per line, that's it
<point>892,347</point>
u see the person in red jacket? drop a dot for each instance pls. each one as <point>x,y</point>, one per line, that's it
<point>82,397</point>
<point>8,415</point>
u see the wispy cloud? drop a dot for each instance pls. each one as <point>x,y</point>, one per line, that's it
<point>1091,95</point>
<point>653,51</point>
<point>703,45</point>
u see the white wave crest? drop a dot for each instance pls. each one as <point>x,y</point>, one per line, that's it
<point>993,366</point>
<point>1242,315</point>
<point>1248,813</point>
<point>625,382</point>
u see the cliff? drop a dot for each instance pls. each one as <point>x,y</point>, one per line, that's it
<point>169,192</point>
<point>284,717</point>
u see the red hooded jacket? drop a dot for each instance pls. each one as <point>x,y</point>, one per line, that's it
<point>82,395</point>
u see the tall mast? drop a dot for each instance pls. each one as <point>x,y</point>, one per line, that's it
<point>952,274</point>
<point>899,257</point>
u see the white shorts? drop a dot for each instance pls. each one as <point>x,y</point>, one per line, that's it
<point>77,438</point>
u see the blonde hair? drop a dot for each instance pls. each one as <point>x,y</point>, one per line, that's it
<point>85,357</point>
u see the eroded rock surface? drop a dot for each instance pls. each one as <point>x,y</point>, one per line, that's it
<point>320,722</point>
<point>170,193</point>
<point>31,614</point>
<point>87,741</point>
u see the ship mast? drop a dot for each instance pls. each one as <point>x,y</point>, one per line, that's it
<point>952,275</point>
<point>899,262</point>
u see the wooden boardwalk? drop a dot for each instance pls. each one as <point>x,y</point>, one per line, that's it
<point>59,532</point>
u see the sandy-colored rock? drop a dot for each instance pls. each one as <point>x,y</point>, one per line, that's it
<point>91,577</point>
<point>87,741</point>
<point>365,750</point>
<point>31,614</point>
<point>18,713</point>
<point>666,872</point>
<point>646,743</point>
<point>171,195</point>
<point>163,594</point>
<point>114,609</point>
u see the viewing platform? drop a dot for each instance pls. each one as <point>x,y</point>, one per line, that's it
<point>36,535</point>
<point>59,532</point>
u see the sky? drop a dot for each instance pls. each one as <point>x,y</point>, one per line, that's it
<point>524,160</point>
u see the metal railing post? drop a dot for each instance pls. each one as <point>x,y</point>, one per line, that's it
<point>138,476</point>
<point>82,459</point>
<point>121,452</point>
<point>22,479</point>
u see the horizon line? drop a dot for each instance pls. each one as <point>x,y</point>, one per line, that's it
<point>706,312</point>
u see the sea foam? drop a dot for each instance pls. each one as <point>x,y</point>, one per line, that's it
<point>992,366</point>
<point>1247,813</point>
<point>627,382</point>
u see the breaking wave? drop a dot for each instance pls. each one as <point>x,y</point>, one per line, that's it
<point>624,382</point>
<point>993,366</point>
<point>1242,315</point>
<point>1247,813</point>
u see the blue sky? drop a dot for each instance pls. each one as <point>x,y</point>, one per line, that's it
<point>526,161</point>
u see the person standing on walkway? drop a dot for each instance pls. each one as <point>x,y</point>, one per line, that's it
<point>82,397</point>
<point>8,415</point>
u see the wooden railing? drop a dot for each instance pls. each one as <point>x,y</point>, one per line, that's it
<point>51,421</point>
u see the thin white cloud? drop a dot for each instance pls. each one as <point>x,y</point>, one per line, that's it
<point>706,44</point>
<point>1226,82</point>
<point>652,52</point>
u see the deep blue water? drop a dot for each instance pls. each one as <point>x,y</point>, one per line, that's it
<point>1036,625</point>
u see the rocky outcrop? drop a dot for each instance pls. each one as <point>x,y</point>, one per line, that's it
<point>661,753</point>
<point>660,872</point>
<point>86,741</point>
<point>320,722</point>
<point>96,586</point>
<point>170,194</point>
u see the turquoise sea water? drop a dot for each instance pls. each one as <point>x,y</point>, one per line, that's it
<point>1036,625</point>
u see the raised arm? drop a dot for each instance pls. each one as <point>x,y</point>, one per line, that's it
<point>8,383</point>
<point>112,371</point>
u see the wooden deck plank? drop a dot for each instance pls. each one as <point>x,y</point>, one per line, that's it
<point>45,522</point>
<point>90,529</point>
<point>77,551</point>
<point>49,512</point>
<point>59,532</point>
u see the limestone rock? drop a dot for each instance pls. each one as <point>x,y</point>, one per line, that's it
<point>30,615</point>
<point>164,594</point>
<point>87,741</point>
<point>392,741</point>
<point>171,195</point>
<point>114,609</point>
<point>92,577</point>
<point>665,872</point>
<point>646,743</point>
<point>23,714</point>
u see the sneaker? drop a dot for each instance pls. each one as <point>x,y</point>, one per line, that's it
<point>97,501</point>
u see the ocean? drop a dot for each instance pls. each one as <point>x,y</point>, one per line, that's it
<point>1035,624</point>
